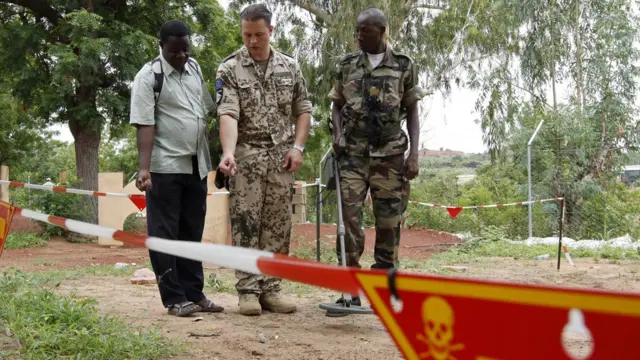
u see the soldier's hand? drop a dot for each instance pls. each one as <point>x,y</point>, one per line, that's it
<point>143,180</point>
<point>411,168</point>
<point>228,165</point>
<point>337,149</point>
<point>293,160</point>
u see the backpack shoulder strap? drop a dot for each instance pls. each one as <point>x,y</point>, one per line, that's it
<point>158,72</point>
<point>195,68</point>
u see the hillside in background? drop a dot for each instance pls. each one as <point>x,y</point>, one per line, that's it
<point>450,162</point>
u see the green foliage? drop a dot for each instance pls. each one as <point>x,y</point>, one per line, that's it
<point>610,214</point>
<point>120,156</point>
<point>602,212</point>
<point>69,206</point>
<point>50,325</point>
<point>21,240</point>
<point>47,162</point>
<point>136,224</point>
<point>73,62</point>
<point>20,133</point>
<point>66,205</point>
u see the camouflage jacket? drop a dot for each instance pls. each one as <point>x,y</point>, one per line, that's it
<point>375,101</point>
<point>265,105</point>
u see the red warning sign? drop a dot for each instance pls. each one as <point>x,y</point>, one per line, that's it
<point>139,201</point>
<point>454,211</point>
<point>452,319</point>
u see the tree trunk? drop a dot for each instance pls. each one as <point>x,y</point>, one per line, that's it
<point>87,144</point>
<point>577,35</point>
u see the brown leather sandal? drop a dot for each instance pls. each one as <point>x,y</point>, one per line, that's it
<point>207,305</point>
<point>183,309</point>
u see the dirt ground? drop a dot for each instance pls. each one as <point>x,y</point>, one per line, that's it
<point>307,334</point>
<point>60,254</point>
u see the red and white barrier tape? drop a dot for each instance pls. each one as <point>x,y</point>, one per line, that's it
<point>139,200</point>
<point>107,194</point>
<point>519,203</point>
<point>250,260</point>
<point>455,210</point>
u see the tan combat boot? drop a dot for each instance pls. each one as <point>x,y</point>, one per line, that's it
<point>249,304</point>
<point>273,301</point>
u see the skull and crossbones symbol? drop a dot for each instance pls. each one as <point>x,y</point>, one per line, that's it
<point>437,317</point>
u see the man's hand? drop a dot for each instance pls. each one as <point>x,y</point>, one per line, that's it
<point>337,148</point>
<point>228,165</point>
<point>143,181</point>
<point>293,160</point>
<point>411,167</point>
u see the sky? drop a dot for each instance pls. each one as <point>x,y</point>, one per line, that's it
<point>448,123</point>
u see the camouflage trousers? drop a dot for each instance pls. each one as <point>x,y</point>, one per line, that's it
<point>384,178</point>
<point>260,213</point>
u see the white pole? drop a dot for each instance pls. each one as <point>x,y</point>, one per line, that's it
<point>529,177</point>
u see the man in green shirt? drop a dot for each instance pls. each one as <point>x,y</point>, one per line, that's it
<point>168,106</point>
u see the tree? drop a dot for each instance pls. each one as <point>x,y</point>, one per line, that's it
<point>443,37</point>
<point>20,133</point>
<point>591,48</point>
<point>75,60</point>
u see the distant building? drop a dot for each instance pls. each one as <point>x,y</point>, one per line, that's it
<point>630,174</point>
<point>463,179</point>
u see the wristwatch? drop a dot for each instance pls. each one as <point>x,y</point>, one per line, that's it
<point>298,147</point>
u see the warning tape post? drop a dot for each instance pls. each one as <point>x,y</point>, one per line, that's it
<point>440,317</point>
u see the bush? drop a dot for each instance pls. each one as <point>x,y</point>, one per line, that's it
<point>66,205</point>
<point>22,239</point>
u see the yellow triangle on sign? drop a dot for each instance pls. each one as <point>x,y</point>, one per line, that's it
<point>371,282</point>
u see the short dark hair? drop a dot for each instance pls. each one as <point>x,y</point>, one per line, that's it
<point>375,15</point>
<point>173,28</point>
<point>256,12</point>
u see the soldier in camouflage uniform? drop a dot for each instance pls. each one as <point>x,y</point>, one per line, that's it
<point>259,91</point>
<point>373,89</point>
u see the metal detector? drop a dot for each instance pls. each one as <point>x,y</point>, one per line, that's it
<point>345,308</point>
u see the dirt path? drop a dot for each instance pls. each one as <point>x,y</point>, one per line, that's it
<point>307,334</point>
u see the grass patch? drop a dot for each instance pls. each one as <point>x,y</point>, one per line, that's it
<point>23,239</point>
<point>50,277</point>
<point>221,282</point>
<point>307,250</point>
<point>479,251</point>
<point>45,325</point>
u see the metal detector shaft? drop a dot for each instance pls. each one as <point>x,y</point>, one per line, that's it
<point>347,297</point>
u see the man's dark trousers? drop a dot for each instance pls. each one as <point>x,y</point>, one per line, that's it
<point>176,208</point>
